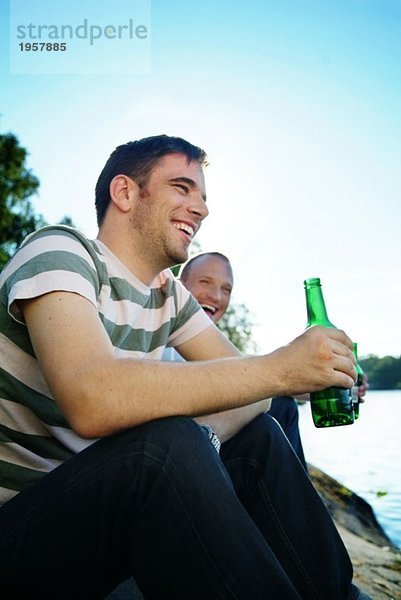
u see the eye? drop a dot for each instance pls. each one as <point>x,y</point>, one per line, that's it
<point>183,187</point>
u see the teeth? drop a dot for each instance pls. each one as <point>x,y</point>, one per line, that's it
<point>184,227</point>
<point>208,307</point>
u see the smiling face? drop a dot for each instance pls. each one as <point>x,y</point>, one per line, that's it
<point>170,210</point>
<point>210,280</point>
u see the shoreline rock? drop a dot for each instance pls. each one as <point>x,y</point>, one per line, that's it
<point>376,560</point>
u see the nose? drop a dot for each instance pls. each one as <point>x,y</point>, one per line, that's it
<point>198,207</point>
<point>214,293</point>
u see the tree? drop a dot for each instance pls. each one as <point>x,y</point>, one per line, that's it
<point>383,373</point>
<point>236,324</point>
<point>17,184</point>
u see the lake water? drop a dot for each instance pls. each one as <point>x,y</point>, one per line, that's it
<point>365,456</point>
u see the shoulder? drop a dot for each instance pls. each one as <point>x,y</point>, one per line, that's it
<point>54,258</point>
<point>54,247</point>
<point>58,238</point>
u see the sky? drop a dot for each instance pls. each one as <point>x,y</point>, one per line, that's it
<point>298,105</point>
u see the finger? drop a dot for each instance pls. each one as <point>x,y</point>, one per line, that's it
<point>342,380</point>
<point>340,336</point>
<point>346,367</point>
<point>340,349</point>
<point>362,391</point>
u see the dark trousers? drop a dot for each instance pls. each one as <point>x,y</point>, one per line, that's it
<point>158,503</point>
<point>285,410</point>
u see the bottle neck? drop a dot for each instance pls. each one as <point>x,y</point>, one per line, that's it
<point>315,306</point>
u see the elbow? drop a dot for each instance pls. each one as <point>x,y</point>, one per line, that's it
<point>94,419</point>
<point>87,428</point>
<point>94,407</point>
<point>88,411</point>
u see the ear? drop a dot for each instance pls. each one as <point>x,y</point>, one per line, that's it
<point>123,190</point>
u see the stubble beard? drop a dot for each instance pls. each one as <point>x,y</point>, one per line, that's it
<point>176,255</point>
<point>158,244</point>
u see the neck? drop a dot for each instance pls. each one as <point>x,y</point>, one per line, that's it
<point>129,251</point>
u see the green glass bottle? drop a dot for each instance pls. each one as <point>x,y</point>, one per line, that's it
<point>358,383</point>
<point>332,406</point>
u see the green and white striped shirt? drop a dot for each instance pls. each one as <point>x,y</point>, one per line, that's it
<point>140,322</point>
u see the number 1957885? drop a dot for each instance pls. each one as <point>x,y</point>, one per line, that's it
<point>43,46</point>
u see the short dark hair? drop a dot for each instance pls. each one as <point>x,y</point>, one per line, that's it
<point>137,159</point>
<point>186,267</point>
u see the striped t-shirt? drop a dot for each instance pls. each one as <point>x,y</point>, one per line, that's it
<point>140,322</point>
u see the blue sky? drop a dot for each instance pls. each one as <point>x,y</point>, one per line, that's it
<point>297,103</point>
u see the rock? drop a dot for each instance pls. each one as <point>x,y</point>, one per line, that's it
<point>376,560</point>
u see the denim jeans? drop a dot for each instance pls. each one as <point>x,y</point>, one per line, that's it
<point>158,503</point>
<point>285,410</point>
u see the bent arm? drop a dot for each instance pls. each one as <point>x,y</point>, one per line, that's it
<point>101,394</point>
<point>209,346</point>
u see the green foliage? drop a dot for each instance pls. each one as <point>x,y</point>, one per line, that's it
<point>17,184</point>
<point>383,373</point>
<point>236,324</point>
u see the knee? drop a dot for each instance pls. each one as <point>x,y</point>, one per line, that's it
<point>174,439</point>
<point>169,446</point>
<point>284,409</point>
<point>172,431</point>
<point>266,426</point>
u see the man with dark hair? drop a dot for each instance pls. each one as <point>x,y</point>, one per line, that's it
<point>106,468</point>
<point>137,159</point>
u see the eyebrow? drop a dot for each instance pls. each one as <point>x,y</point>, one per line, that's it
<point>192,184</point>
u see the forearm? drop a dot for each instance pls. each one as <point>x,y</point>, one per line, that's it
<point>228,423</point>
<point>122,393</point>
<point>303,397</point>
